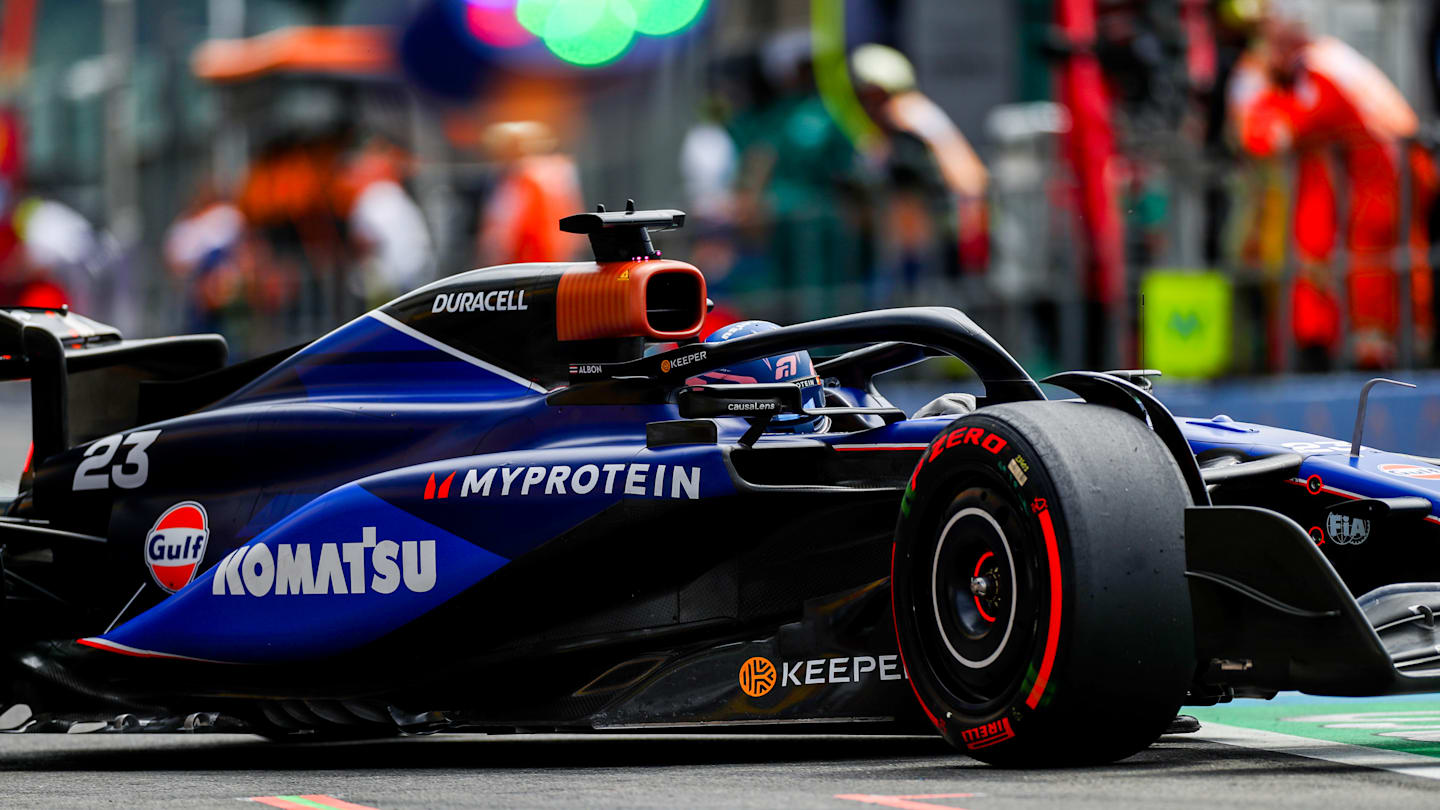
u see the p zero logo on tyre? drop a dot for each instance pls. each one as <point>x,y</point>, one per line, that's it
<point>757,677</point>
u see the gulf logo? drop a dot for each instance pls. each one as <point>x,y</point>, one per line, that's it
<point>175,545</point>
<point>1412,471</point>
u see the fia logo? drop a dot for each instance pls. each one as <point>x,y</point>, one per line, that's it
<point>1345,530</point>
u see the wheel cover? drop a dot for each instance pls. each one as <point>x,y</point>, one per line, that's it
<point>975,626</point>
<point>979,665</point>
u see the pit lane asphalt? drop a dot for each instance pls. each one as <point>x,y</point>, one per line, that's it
<point>444,771</point>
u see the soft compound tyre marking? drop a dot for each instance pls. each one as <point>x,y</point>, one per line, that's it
<point>1052,634</point>
<point>935,587</point>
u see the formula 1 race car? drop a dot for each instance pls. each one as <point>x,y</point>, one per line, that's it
<point>483,506</point>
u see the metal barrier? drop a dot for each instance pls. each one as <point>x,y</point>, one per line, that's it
<point>1032,296</point>
<point>830,258</point>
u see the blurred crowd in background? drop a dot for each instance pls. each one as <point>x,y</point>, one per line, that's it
<point>1212,187</point>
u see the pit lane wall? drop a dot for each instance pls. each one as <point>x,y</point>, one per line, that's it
<point>1399,419</point>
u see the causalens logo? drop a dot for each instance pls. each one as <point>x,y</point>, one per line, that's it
<point>176,545</point>
<point>342,568</point>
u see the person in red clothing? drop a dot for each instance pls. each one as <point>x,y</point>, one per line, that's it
<point>22,282</point>
<point>538,186</point>
<point>1317,98</point>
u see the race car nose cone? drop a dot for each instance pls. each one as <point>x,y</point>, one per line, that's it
<point>980,586</point>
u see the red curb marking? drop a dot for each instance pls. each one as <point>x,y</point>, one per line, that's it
<point>317,798</point>
<point>907,802</point>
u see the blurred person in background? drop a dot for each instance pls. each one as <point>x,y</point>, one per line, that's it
<point>50,255</point>
<point>61,247</point>
<point>295,281</point>
<point>1430,68</point>
<point>21,283</point>
<point>386,228</point>
<point>708,165</point>
<point>1430,56</point>
<point>14,273</point>
<point>1245,201</point>
<point>798,186</point>
<point>538,185</point>
<point>1316,97</point>
<point>203,250</point>
<point>933,209</point>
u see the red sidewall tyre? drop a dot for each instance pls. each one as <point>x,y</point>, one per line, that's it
<point>1038,582</point>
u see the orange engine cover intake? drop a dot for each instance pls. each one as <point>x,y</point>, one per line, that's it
<point>656,299</point>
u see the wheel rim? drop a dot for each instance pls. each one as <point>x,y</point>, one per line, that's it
<point>979,634</point>
<point>974,604</point>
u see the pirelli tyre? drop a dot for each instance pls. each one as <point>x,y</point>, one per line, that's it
<point>1038,583</point>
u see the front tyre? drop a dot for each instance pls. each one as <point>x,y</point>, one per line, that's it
<point>1038,583</point>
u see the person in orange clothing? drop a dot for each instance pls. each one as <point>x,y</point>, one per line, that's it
<point>1319,97</point>
<point>538,186</point>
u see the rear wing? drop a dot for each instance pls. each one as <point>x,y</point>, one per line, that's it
<point>85,377</point>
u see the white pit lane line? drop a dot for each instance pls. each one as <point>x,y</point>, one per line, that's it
<point>1343,753</point>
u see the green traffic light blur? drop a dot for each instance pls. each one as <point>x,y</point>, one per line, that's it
<point>658,18</point>
<point>532,14</point>
<point>591,33</point>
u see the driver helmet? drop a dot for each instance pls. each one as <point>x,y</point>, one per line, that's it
<point>791,367</point>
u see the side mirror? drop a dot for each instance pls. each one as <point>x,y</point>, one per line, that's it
<point>762,400</point>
